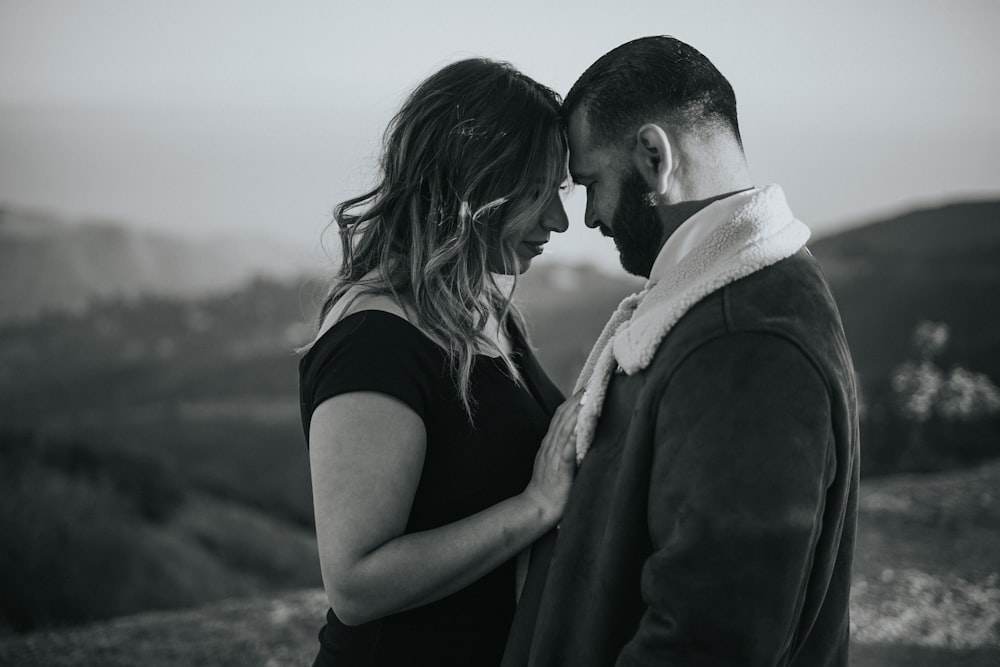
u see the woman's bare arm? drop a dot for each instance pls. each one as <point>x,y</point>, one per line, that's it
<point>366,454</point>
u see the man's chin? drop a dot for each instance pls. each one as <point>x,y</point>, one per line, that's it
<point>638,273</point>
<point>634,265</point>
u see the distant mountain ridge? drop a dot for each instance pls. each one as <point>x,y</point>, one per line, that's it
<point>965,231</point>
<point>50,264</point>
<point>940,264</point>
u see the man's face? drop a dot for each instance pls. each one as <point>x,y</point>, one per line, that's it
<point>616,198</point>
<point>637,231</point>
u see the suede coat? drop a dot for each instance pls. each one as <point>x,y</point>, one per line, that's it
<point>712,521</point>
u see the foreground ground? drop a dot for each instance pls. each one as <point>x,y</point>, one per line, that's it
<point>926,592</point>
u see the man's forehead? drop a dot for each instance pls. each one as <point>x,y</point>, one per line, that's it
<point>585,159</point>
<point>578,131</point>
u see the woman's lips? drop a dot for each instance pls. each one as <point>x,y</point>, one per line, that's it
<point>535,248</point>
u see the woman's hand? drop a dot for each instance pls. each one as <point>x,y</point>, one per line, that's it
<point>555,462</point>
<point>366,455</point>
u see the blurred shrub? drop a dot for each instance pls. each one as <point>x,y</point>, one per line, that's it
<point>927,418</point>
<point>923,390</point>
<point>94,531</point>
<point>967,396</point>
<point>145,480</point>
<point>262,463</point>
<point>68,544</point>
<point>71,517</point>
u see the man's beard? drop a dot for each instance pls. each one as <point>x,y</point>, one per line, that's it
<point>638,233</point>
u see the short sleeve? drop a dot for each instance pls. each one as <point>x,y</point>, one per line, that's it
<point>370,351</point>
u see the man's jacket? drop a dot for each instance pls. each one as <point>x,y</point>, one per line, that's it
<point>712,521</point>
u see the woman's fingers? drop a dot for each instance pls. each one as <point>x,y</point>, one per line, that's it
<point>555,463</point>
<point>563,443</point>
<point>569,410</point>
<point>561,428</point>
<point>569,446</point>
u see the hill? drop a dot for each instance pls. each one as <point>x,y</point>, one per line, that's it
<point>940,264</point>
<point>49,264</point>
<point>924,599</point>
<point>918,296</point>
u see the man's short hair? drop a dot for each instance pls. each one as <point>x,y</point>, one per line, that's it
<point>653,79</point>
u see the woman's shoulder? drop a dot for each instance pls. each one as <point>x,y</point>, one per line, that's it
<point>355,303</point>
<point>373,327</point>
<point>375,332</point>
<point>372,349</point>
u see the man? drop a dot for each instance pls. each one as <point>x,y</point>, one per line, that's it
<point>712,520</point>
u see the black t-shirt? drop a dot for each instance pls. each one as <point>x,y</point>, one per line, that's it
<point>467,468</point>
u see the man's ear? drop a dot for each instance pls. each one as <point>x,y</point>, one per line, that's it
<point>653,157</point>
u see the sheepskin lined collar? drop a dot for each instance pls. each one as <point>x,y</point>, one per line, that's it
<point>758,230</point>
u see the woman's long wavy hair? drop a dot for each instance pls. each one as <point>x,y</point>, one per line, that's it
<point>470,158</point>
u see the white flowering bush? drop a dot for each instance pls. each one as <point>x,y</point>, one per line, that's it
<point>930,338</point>
<point>923,390</point>
<point>938,417</point>
<point>916,385</point>
<point>966,396</point>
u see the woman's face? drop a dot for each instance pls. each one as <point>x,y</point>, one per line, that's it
<point>530,236</point>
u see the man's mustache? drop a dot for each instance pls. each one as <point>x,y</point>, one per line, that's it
<point>605,231</point>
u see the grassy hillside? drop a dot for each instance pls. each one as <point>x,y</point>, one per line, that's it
<point>926,593</point>
<point>92,531</point>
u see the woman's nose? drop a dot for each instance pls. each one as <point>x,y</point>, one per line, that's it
<point>589,217</point>
<point>554,217</point>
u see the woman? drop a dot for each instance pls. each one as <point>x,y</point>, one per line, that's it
<point>434,462</point>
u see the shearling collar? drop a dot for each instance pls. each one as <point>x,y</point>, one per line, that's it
<point>693,232</point>
<point>757,230</point>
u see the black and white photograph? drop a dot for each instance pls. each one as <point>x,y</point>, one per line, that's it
<point>499,334</point>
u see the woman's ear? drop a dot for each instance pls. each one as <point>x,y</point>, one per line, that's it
<point>653,157</point>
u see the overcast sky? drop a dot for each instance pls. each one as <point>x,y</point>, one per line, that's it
<point>235,117</point>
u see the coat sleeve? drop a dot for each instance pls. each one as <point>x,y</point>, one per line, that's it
<point>742,459</point>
